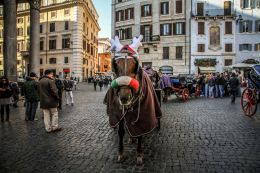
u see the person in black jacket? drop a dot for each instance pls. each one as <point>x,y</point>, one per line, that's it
<point>233,83</point>
<point>60,85</point>
<point>5,97</point>
<point>68,86</point>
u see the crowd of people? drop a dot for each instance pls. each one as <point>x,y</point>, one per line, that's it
<point>48,90</point>
<point>219,85</point>
<point>101,82</point>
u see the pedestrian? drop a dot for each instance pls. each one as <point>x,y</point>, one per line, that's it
<point>222,82</point>
<point>16,92</point>
<point>60,85</point>
<point>68,86</point>
<point>217,85</point>
<point>233,84</point>
<point>101,83</point>
<point>5,97</point>
<point>31,95</point>
<point>211,86</point>
<point>95,81</point>
<point>206,81</point>
<point>49,101</point>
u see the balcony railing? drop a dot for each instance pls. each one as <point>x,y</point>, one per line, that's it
<point>215,13</point>
<point>151,39</point>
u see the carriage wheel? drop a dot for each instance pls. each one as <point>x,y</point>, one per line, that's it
<point>197,91</point>
<point>249,102</point>
<point>185,94</point>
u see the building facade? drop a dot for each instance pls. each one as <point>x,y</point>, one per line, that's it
<point>247,31</point>
<point>213,33</point>
<point>104,55</point>
<point>165,26</point>
<point>68,37</point>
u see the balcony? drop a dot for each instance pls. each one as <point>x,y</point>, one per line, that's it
<point>215,14</point>
<point>151,39</point>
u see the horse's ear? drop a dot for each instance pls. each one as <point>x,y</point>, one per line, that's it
<point>137,42</point>
<point>116,45</point>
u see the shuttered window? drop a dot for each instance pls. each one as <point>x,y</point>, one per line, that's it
<point>257,25</point>
<point>146,10</point>
<point>201,28</point>
<point>200,9</point>
<point>166,29</point>
<point>166,53</point>
<point>228,48</point>
<point>201,48</point>
<point>245,47</point>
<point>257,47</point>
<point>245,26</point>
<point>178,6</point>
<point>129,13</point>
<point>179,52</point>
<point>164,8</point>
<point>228,27</point>
<point>128,33</point>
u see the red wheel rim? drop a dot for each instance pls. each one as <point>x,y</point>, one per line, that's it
<point>249,102</point>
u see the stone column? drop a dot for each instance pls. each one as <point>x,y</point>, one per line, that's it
<point>34,57</point>
<point>10,40</point>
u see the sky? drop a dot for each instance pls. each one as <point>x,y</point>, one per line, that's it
<point>104,11</point>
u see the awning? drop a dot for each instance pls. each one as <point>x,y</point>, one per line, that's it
<point>241,65</point>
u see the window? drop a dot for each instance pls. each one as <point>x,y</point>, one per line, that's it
<point>129,13</point>
<point>52,27</point>
<point>84,44</point>
<point>146,50</point>
<point>200,9</point>
<point>178,6</point>
<point>164,8</point>
<point>257,3</point>
<point>52,61</point>
<point>228,27</point>
<point>19,20</point>
<point>84,27</point>
<point>178,52</point>
<point>40,28</point>
<point>228,62</point>
<point>166,53</point>
<point>66,25</point>
<point>52,44</point>
<point>245,3</point>
<point>146,31</point>
<point>19,31</point>
<point>257,25</point>
<point>66,12</point>
<point>128,33</point>
<point>53,14</point>
<point>18,62</point>
<point>28,30</point>
<point>179,28</point>
<point>245,26</point>
<point>201,30</point>
<point>66,60</point>
<point>166,29</point>
<point>227,8</point>
<point>41,45</point>
<point>65,43</point>
<point>120,34</point>
<point>201,48</point>
<point>146,10</point>
<point>245,47</point>
<point>120,15</point>
<point>40,60</point>
<point>257,47</point>
<point>228,48</point>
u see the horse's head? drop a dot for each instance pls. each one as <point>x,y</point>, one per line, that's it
<point>125,66</point>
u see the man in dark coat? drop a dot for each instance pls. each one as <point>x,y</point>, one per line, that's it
<point>49,101</point>
<point>31,96</point>
<point>60,85</point>
<point>234,84</point>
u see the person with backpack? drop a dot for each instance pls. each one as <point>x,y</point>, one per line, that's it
<point>60,85</point>
<point>68,86</point>
<point>5,97</point>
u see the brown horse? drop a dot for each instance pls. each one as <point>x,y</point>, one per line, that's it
<point>131,101</point>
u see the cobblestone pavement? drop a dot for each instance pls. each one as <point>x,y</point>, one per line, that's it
<point>198,136</point>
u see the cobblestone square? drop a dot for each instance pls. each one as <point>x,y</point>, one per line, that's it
<point>201,135</point>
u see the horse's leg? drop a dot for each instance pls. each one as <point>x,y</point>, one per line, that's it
<point>121,133</point>
<point>139,154</point>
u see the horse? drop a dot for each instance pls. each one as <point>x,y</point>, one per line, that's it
<point>131,100</point>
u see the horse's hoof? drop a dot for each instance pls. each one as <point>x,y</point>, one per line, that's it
<point>139,158</point>
<point>120,158</point>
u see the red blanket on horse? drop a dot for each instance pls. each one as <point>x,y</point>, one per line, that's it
<point>140,120</point>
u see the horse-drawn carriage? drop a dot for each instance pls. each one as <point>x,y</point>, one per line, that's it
<point>250,96</point>
<point>181,86</point>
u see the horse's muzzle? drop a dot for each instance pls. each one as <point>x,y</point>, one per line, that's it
<point>125,95</point>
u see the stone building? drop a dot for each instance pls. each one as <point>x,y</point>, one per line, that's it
<point>166,29</point>
<point>247,31</point>
<point>104,55</point>
<point>68,39</point>
<point>213,32</point>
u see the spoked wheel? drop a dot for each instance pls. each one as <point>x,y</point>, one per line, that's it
<point>197,91</point>
<point>249,102</point>
<point>185,94</point>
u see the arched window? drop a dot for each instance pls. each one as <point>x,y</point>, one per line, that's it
<point>214,37</point>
